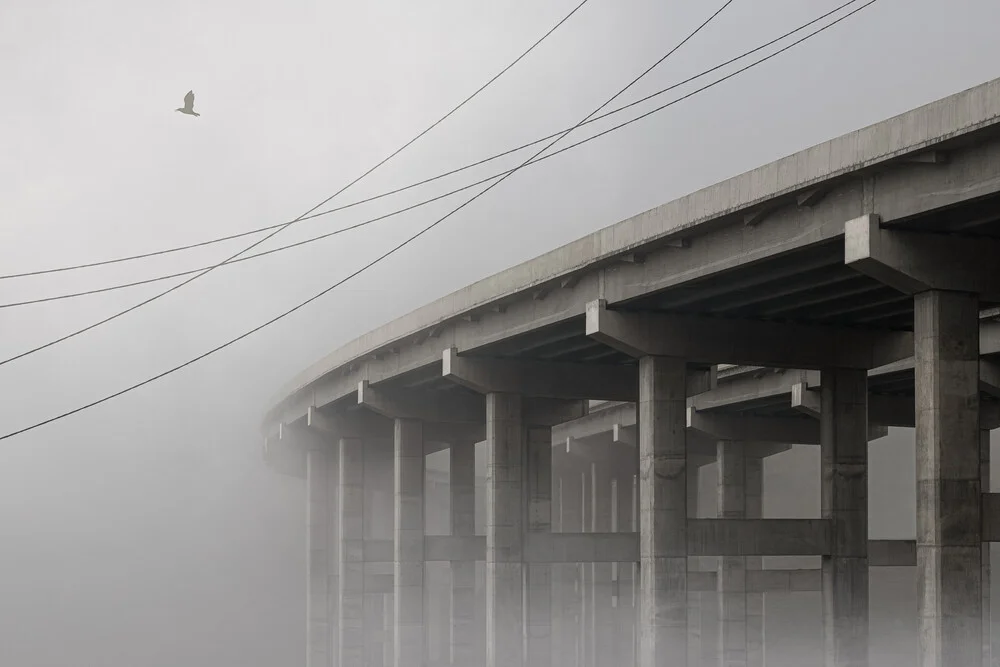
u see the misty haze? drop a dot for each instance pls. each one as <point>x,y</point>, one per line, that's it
<point>499,334</point>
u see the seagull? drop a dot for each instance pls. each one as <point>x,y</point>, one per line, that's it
<point>188,107</point>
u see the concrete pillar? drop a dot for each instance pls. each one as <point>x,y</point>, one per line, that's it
<point>568,619</point>
<point>986,486</point>
<point>731,638</point>
<point>538,577</point>
<point>408,545</point>
<point>322,557</point>
<point>464,634</point>
<point>584,655</point>
<point>351,611</point>
<point>844,493</point>
<point>601,618</point>
<point>756,655</point>
<point>695,630</point>
<point>949,545</point>
<point>505,447</point>
<point>662,512</point>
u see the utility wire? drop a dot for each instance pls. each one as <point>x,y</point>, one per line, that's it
<point>349,277</point>
<point>288,224</point>
<point>369,221</point>
<point>431,179</point>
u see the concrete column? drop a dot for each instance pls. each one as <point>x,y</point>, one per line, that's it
<point>695,630</point>
<point>844,493</point>
<point>756,656</point>
<point>408,543</point>
<point>585,655</point>
<point>985,485</point>
<point>321,553</point>
<point>601,618</point>
<point>731,638</point>
<point>464,632</point>
<point>538,577</point>
<point>571,508</point>
<point>505,447</point>
<point>949,545</point>
<point>351,611</point>
<point>662,512</point>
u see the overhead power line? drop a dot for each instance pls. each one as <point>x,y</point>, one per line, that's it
<point>471,165</point>
<point>292,222</point>
<point>365,267</point>
<point>424,202</point>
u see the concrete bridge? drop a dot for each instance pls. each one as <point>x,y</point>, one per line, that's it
<point>816,300</point>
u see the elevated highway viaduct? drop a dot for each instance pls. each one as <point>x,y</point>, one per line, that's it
<point>816,300</point>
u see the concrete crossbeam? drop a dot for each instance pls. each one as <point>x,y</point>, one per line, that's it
<point>991,517</point>
<point>623,547</point>
<point>553,379</point>
<point>545,379</point>
<point>892,553</point>
<point>752,342</point>
<point>581,548</point>
<point>349,424</point>
<point>989,377</point>
<point>758,537</point>
<point>914,262</point>
<point>427,406</point>
<point>796,431</point>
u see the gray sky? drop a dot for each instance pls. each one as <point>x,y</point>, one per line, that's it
<point>147,531</point>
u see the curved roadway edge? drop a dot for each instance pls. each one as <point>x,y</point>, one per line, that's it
<point>916,131</point>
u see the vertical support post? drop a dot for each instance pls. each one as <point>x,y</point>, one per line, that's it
<point>731,647</point>
<point>756,654</point>
<point>352,553</point>
<point>949,531</point>
<point>695,630</point>
<point>601,619</point>
<point>985,485</point>
<point>538,577</point>
<point>844,455</point>
<point>464,631</point>
<point>408,544</point>
<point>505,446</point>
<point>662,512</point>
<point>321,564</point>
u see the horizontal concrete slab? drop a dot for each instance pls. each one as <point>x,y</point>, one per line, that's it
<point>758,537</point>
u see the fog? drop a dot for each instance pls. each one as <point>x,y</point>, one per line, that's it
<point>148,530</point>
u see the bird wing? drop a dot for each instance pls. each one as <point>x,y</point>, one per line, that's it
<point>189,100</point>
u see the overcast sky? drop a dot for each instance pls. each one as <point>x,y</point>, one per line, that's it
<point>147,531</point>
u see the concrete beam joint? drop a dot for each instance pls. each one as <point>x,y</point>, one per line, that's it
<point>914,262</point>
<point>750,342</point>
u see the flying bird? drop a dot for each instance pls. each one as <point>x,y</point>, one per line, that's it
<point>188,107</point>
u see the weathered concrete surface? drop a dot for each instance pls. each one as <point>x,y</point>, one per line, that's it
<point>844,461</point>
<point>662,513</point>
<point>506,449</point>
<point>465,637</point>
<point>408,557</point>
<point>351,614</point>
<point>731,581</point>
<point>949,551</point>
